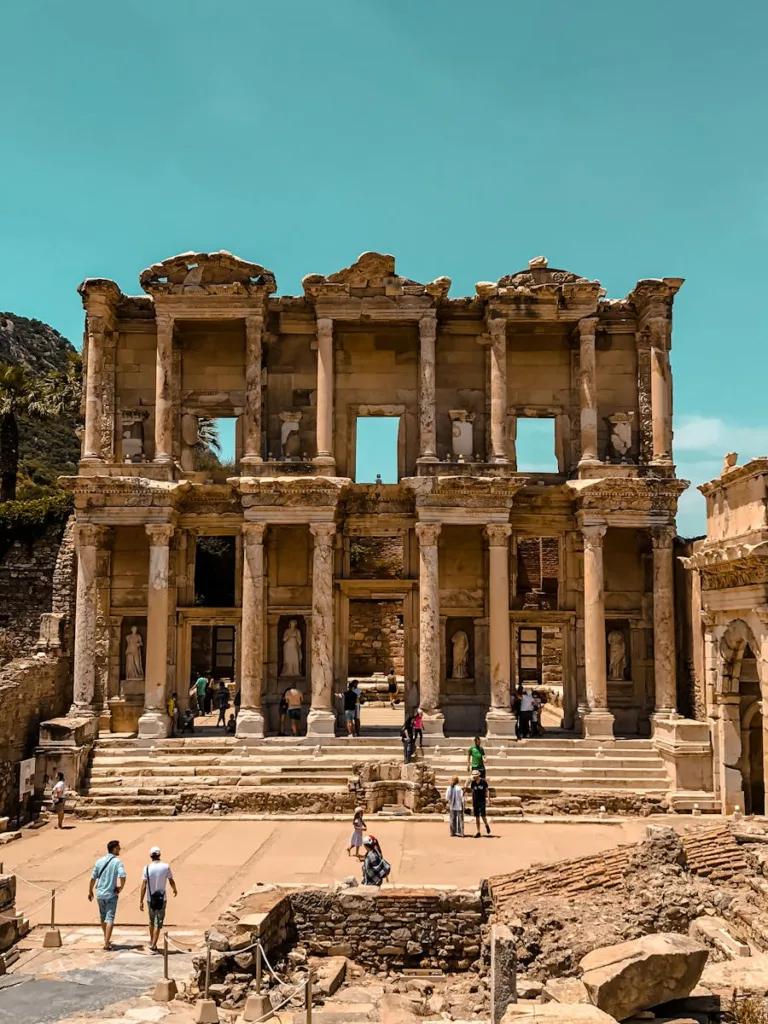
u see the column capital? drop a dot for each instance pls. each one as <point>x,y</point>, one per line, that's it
<point>324,328</point>
<point>587,328</point>
<point>323,532</point>
<point>164,321</point>
<point>497,328</point>
<point>663,537</point>
<point>593,534</point>
<point>253,533</point>
<point>498,534</point>
<point>428,327</point>
<point>160,534</point>
<point>428,533</point>
<point>90,535</point>
<point>254,321</point>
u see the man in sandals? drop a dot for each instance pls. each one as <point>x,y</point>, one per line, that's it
<point>109,879</point>
<point>155,877</point>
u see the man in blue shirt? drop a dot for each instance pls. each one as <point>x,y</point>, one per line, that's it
<point>109,879</point>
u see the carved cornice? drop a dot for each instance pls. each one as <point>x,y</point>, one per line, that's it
<point>290,492</point>
<point>753,468</point>
<point>207,273</point>
<point>471,492</point>
<point>711,555</point>
<point>747,572</point>
<point>372,274</point>
<point>625,494</point>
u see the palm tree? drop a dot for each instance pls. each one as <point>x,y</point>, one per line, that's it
<point>48,397</point>
<point>208,440</point>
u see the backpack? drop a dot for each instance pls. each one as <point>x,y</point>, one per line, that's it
<point>157,898</point>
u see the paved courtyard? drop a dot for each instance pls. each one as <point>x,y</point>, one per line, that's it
<point>215,859</point>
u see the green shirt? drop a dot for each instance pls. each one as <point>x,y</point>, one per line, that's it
<point>201,684</point>
<point>477,756</point>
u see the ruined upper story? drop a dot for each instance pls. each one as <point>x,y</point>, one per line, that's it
<point>737,503</point>
<point>210,338</point>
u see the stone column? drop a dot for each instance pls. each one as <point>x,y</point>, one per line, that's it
<point>427,433</point>
<point>498,387</point>
<point>252,416</point>
<point>164,391</point>
<point>597,721</point>
<point>661,391</point>
<point>87,541</point>
<point>664,662</point>
<point>429,627</point>
<point>588,391</point>
<point>322,719</point>
<point>499,719</point>
<point>250,721</point>
<point>154,722</point>
<point>324,457</point>
<point>93,391</point>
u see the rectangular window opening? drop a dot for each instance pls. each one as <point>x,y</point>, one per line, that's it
<point>215,558</point>
<point>376,449</point>
<point>535,445</point>
<point>215,449</point>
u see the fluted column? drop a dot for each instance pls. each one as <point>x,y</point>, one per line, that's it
<point>87,541</point>
<point>321,719</point>
<point>427,433</point>
<point>252,415</point>
<point>94,372</point>
<point>154,721</point>
<point>597,720</point>
<point>661,390</point>
<point>164,391</point>
<point>429,627</point>
<point>499,719</point>
<point>664,662</point>
<point>498,386</point>
<point>588,391</point>
<point>324,455</point>
<point>250,720</point>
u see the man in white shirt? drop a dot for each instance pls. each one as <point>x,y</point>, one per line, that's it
<point>454,797</point>
<point>526,713</point>
<point>155,877</point>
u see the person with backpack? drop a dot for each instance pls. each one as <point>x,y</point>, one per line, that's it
<point>375,868</point>
<point>157,875</point>
<point>108,877</point>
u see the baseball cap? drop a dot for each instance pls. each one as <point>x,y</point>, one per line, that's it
<point>155,851</point>
<point>368,841</point>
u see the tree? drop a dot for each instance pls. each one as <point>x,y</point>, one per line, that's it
<point>47,397</point>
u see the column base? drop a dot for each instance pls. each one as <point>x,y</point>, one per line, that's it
<point>324,461</point>
<point>153,724</point>
<point>434,723</point>
<point>83,711</point>
<point>250,722</point>
<point>499,723</point>
<point>498,460</point>
<point>248,461</point>
<point>597,724</point>
<point>426,459</point>
<point>665,715</point>
<point>321,723</point>
<point>588,462</point>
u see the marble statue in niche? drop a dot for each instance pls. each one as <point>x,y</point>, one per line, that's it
<point>617,656</point>
<point>134,666</point>
<point>133,434</point>
<point>460,650</point>
<point>462,441</point>
<point>291,650</point>
<point>621,434</point>
<point>290,442</point>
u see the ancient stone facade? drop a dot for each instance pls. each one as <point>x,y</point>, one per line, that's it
<point>498,574</point>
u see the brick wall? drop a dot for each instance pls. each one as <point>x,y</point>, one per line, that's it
<point>376,638</point>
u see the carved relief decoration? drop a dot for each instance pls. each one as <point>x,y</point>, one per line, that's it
<point>373,270</point>
<point>745,573</point>
<point>211,272</point>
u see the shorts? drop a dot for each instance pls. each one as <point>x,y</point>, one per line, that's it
<point>350,716</point>
<point>107,908</point>
<point>478,807</point>
<point>156,917</point>
<point>294,714</point>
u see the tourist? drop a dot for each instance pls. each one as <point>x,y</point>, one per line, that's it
<point>172,707</point>
<point>392,687</point>
<point>516,700</point>
<point>454,797</point>
<point>59,799</point>
<point>237,701</point>
<point>536,705</point>
<point>283,709</point>
<point>418,729</point>
<point>294,698</point>
<point>526,713</point>
<point>359,692</point>
<point>231,725</point>
<point>476,757</point>
<point>188,722</point>
<point>406,735</point>
<point>221,698</point>
<point>356,839</point>
<point>154,879</point>
<point>479,800</point>
<point>109,878</point>
<point>201,685</point>
<point>350,702</point>
<point>375,868</point>
<point>210,691</point>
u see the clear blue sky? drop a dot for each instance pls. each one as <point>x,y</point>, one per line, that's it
<point>619,140</point>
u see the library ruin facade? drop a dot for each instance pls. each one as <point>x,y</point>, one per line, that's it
<point>263,570</point>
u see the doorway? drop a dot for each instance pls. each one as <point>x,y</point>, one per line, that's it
<point>376,646</point>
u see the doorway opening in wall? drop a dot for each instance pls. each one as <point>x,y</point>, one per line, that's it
<point>212,657</point>
<point>751,721</point>
<point>535,444</point>
<point>376,659</point>
<point>376,444</point>
<point>214,451</point>
<point>215,566</point>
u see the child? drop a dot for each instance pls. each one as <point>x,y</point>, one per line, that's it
<point>418,729</point>
<point>356,839</point>
<point>232,725</point>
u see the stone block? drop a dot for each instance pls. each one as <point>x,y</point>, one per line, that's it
<point>716,931</point>
<point>165,990</point>
<point>555,1013</point>
<point>748,975</point>
<point>636,975</point>
<point>565,990</point>
<point>330,975</point>
<point>503,971</point>
<point>257,1008</point>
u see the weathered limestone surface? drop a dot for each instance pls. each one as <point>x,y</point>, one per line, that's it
<point>322,628</point>
<point>429,619</point>
<point>250,720</point>
<point>557,1013</point>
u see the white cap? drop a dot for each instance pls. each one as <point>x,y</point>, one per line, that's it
<point>155,851</point>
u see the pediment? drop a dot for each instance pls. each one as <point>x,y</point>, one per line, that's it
<point>373,272</point>
<point>212,272</point>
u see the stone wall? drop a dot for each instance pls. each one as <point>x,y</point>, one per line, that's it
<point>376,637</point>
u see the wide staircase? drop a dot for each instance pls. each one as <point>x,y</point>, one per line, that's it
<point>284,775</point>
